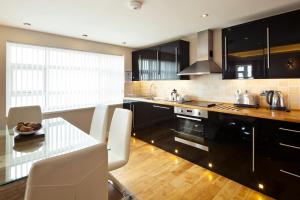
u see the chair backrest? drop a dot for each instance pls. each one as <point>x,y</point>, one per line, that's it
<point>23,114</point>
<point>78,175</point>
<point>120,132</point>
<point>99,123</point>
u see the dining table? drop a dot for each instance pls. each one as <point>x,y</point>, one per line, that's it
<point>56,137</point>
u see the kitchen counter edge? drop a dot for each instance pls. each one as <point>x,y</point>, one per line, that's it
<point>292,116</point>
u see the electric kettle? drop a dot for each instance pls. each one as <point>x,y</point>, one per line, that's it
<point>276,100</point>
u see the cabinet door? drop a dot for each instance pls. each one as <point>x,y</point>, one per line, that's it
<point>230,146</point>
<point>162,113</point>
<point>145,64</point>
<point>143,116</point>
<point>136,56</point>
<point>169,61</point>
<point>277,159</point>
<point>174,57</point>
<point>244,55</point>
<point>149,64</point>
<point>284,42</point>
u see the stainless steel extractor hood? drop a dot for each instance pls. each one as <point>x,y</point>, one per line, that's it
<point>205,63</point>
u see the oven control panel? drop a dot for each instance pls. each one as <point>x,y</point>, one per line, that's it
<point>191,112</point>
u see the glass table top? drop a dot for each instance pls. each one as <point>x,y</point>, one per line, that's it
<point>61,137</point>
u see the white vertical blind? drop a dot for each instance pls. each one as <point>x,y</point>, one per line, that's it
<point>60,79</point>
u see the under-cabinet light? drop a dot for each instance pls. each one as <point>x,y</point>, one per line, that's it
<point>210,165</point>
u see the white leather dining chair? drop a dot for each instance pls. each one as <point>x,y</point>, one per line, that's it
<point>99,123</point>
<point>79,175</point>
<point>119,139</point>
<point>23,114</point>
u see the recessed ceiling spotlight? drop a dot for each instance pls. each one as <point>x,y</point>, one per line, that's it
<point>205,15</point>
<point>135,4</point>
<point>84,35</point>
<point>26,24</point>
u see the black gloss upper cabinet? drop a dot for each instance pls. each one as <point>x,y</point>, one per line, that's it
<point>161,62</point>
<point>136,56</point>
<point>145,64</point>
<point>174,57</point>
<point>266,48</point>
<point>284,45</point>
<point>244,51</point>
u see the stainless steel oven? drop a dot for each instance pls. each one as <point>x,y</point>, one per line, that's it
<point>191,127</point>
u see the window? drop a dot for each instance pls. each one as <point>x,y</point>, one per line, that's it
<point>60,79</point>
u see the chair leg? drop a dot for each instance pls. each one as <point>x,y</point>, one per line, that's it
<point>119,187</point>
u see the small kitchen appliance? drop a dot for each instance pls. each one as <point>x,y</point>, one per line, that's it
<point>276,100</point>
<point>173,95</point>
<point>246,99</point>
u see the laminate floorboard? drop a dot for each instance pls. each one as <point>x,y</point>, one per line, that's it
<point>154,174</point>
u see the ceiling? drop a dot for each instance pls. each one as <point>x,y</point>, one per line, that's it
<point>111,21</point>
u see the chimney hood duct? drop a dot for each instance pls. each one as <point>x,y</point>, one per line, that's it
<point>205,63</point>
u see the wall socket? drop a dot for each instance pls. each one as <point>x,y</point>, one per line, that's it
<point>128,76</point>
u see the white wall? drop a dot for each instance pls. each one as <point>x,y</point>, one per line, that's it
<point>80,118</point>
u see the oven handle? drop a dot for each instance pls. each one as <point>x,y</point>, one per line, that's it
<point>193,144</point>
<point>191,118</point>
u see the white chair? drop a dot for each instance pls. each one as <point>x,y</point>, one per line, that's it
<point>23,114</point>
<point>119,138</point>
<point>99,123</point>
<point>79,175</point>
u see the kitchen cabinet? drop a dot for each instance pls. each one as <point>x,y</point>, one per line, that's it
<point>244,51</point>
<point>265,48</point>
<point>259,153</point>
<point>146,115</point>
<point>136,57</point>
<point>161,62</point>
<point>146,64</point>
<point>277,158</point>
<point>284,43</point>
<point>174,57</point>
<point>231,142</point>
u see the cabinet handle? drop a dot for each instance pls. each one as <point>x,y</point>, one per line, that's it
<point>190,143</point>
<point>190,118</point>
<point>140,67</point>
<point>268,48</point>
<point>225,52</point>
<point>133,116</point>
<point>162,107</point>
<point>176,59</point>
<point>286,145</point>
<point>289,173</point>
<point>253,149</point>
<point>289,130</point>
<point>157,62</point>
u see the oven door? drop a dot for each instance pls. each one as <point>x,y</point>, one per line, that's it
<point>191,131</point>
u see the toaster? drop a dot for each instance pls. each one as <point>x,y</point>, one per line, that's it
<point>246,99</point>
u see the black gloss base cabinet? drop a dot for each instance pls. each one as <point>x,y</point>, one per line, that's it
<point>258,153</point>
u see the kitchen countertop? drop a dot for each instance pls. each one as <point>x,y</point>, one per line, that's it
<point>292,116</point>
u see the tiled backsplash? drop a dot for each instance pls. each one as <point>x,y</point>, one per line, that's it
<point>213,88</point>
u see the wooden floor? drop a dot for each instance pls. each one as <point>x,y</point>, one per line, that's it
<point>152,173</point>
